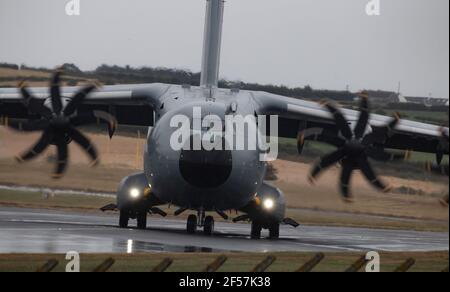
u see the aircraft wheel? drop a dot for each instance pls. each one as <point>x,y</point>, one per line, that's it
<point>256,230</point>
<point>208,227</point>
<point>191,225</point>
<point>142,220</point>
<point>274,231</point>
<point>123,219</point>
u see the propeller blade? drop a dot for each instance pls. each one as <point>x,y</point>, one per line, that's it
<point>369,173</point>
<point>374,138</point>
<point>307,133</point>
<point>340,120</point>
<point>347,170</point>
<point>110,119</point>
<point>389,129</point>
<point>55,92</point>
<point>61,164</point>
<point>326,162</point>
<point>363,120</point>
<point>26,94</point>
<point>29,126</point>
<point>445,135</point>
<point>34,105</point>
<point>300,143</point>
<point>444,201</point>
<point>93,117</point>
<point>318,134</point>
<point>442,147</point>
<point>381,134</point>
<point>310,132</point>
<point>38,148</point>
<point>78,99</point>
<point>84,142</point>
<point>333,140</point>
<point>439,157</point>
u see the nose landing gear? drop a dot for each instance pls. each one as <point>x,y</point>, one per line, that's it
<point>126,215</point>
<point>207,222</point>
<point>142,220</point>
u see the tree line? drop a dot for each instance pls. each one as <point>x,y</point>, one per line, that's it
<point>113,74</point>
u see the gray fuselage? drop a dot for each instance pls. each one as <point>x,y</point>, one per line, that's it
<point>201,179</point>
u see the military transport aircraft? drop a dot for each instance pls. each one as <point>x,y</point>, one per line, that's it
<point>214,180</point>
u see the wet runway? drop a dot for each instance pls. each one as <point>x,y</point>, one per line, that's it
<point>45,231</point>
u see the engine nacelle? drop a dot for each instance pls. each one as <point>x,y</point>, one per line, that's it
<point>134,193</point>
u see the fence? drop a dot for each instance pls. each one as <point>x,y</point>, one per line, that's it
<point>263,266</point>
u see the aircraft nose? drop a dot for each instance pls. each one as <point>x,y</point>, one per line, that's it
<point>205,169</point>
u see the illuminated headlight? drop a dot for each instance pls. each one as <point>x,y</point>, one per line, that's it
<point>135,193</point>
<point>268,204</point>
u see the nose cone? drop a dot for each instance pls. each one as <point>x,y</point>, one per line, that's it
<point>206,169</point>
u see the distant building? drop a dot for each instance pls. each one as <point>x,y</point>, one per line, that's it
<point>427,101</point>
<point>386,97</point>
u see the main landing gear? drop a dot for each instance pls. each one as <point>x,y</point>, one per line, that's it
<point>207,222</point>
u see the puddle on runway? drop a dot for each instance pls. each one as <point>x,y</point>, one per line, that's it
<point>43,241</point>
<point>133,246</point>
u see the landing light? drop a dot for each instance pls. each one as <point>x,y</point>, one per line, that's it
<point>135,193</point>
<point>269,204</point>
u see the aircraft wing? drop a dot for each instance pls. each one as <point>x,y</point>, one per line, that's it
<point>130,104</point>
<point>297,115</point>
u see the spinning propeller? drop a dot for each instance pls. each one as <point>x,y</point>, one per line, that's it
<point>59,123</point>
<point>355,147</point>
<point>442,146</point>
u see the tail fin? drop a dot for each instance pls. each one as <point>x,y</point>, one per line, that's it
<point>212,43</point>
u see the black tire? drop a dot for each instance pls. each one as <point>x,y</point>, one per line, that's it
<point>208,227</point>
<point>142,220</point>
<point>124,217</point>
<point>191,226</point>
<point>274,231</point>
<point>256,230</point>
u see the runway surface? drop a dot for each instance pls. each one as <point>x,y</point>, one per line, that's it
<point>45,231</point>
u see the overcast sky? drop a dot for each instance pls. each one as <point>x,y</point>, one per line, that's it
<point>324,43</point>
